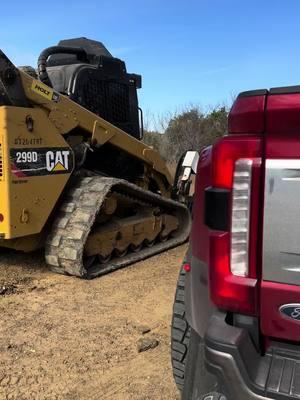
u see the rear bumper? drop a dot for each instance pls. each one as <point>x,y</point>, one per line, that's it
<point>243,373</point>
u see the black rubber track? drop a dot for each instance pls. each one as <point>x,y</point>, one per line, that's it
<point>180,333</point>
<point>65,244</point>
<point>214,396</point>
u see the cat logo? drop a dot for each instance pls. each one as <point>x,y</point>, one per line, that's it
<point>57,161</point>
<point>41,161</point>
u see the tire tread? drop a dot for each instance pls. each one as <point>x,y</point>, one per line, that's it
<point>180,333</point>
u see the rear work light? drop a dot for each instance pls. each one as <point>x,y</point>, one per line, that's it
<point>232,265</point>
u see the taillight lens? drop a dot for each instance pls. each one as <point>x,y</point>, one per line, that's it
<point>241,194</point>
<point>232,270</point>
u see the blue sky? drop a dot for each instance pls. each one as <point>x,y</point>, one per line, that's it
<point>201,52</point>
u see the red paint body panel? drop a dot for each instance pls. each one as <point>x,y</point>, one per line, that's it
<point>264,127</point>
<point>247,115</point>
<point>282,146</point>
<point>273,323</point>
<point>283,114</point>
<point>282,141</point>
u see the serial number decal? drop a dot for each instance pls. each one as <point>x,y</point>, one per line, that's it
<point>28,142</point>
<point>45,91</point>
<point>41,161</point>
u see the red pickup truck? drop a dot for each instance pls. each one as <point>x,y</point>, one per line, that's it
<point>236,320</point>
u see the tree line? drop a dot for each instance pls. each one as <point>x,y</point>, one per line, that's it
<point>190,129</point>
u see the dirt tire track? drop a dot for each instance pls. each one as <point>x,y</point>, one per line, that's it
<point>62,338</point>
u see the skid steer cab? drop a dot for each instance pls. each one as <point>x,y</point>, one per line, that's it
<point>236,321</point>
<point>184,182</point>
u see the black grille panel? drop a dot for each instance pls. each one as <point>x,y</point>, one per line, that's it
<point>119,99</point>
<point>110,100</point>
<point>113,99</point>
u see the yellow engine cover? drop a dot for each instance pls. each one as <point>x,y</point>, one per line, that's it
<point>35,165</point>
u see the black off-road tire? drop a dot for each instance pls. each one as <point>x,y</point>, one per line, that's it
<point>183,363</point>
<point>180,333</point>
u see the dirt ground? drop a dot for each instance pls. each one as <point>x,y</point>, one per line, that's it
<point>66,338</point>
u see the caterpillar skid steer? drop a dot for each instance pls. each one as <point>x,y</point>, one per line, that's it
<point>75,177</point>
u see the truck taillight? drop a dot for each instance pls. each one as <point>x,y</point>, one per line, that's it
<point>232,267</point>
<point>241,195</point>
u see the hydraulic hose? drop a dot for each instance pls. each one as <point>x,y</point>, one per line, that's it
<point>45,54</point>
